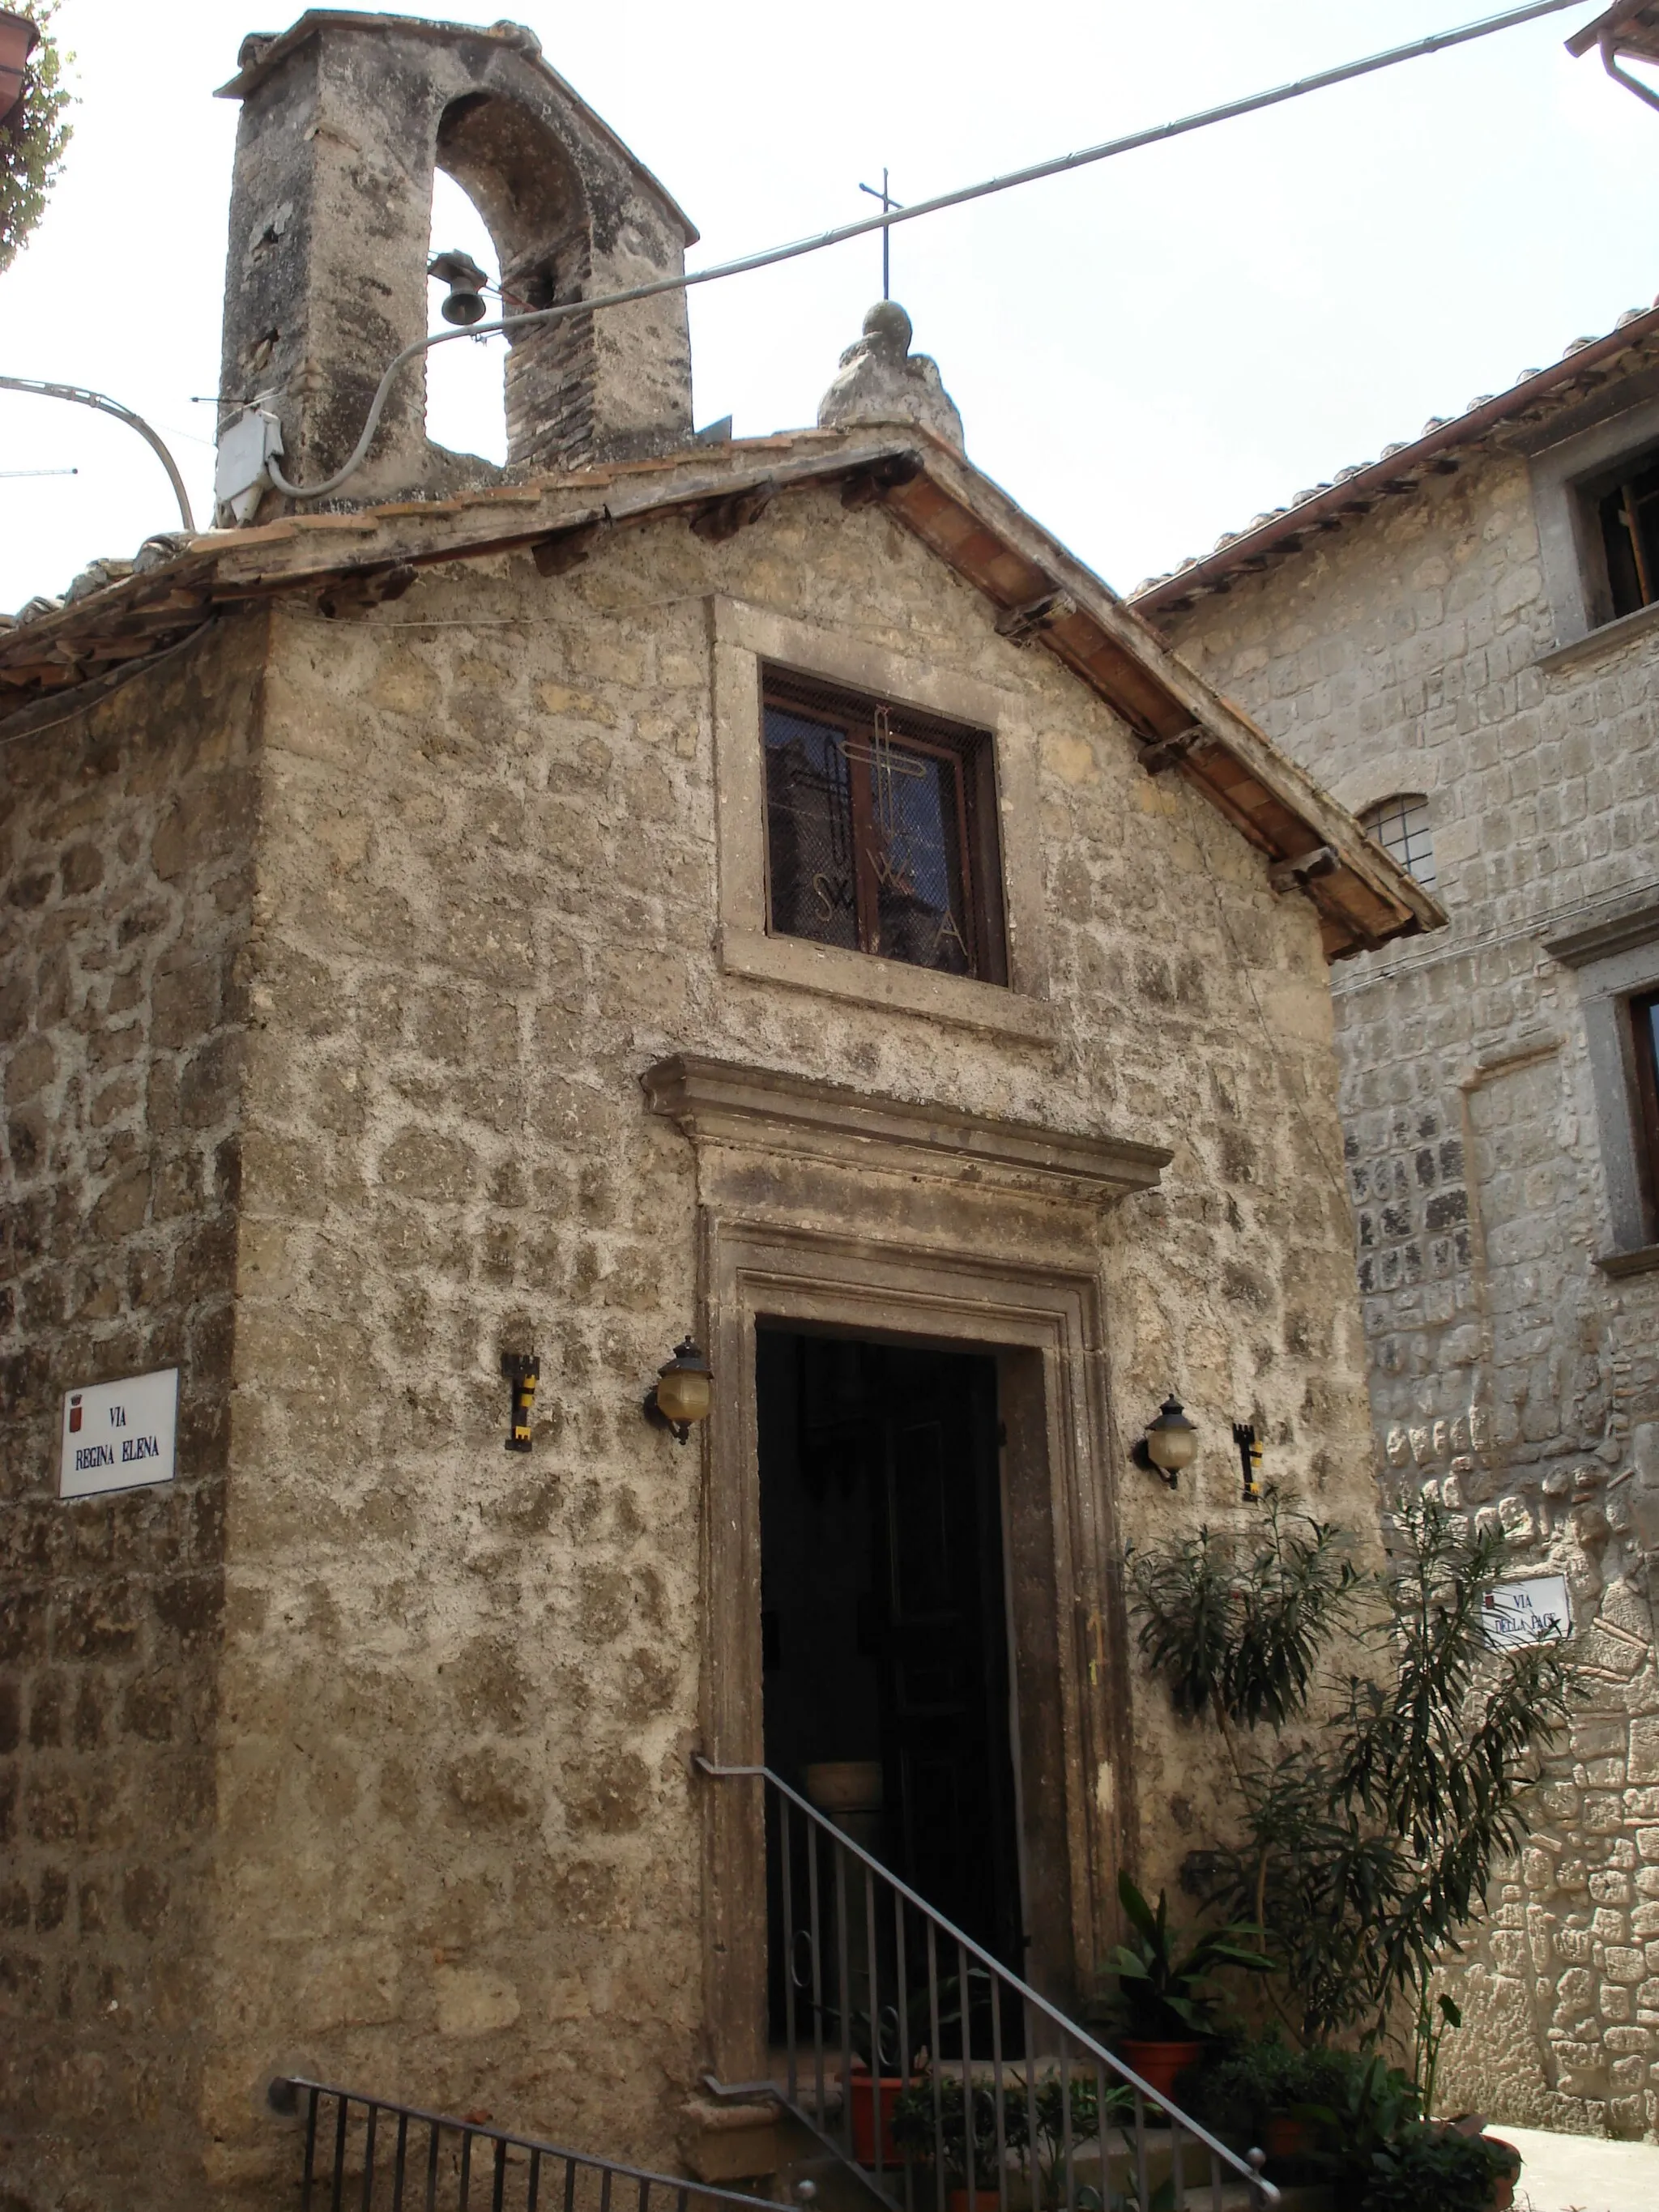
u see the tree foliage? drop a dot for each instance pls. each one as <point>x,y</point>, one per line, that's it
<point>32,144</point>
<point>1367,1839</point>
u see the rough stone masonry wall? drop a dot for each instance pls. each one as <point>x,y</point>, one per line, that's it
<point>1506,1370</point>
<point>124,909</point>
<point>459,1847</point>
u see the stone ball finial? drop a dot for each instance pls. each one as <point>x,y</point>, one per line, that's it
<point>880,380</point>
<point>518,34</point>
<point>887,325</point>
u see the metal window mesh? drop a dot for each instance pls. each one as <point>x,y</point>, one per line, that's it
<point>1400,826</point>
<point>866,823</point>
<point>1629,533</point>
<point>809,828</point>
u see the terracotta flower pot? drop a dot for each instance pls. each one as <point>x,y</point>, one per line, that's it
<point>1502,2190</point>
<point>982,2200</point>
<point>1158,2064</point>
<point>1284,2135</point>
<point>861,2100</point>
<point>18,40</point>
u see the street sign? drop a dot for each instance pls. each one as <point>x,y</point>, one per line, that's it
<point>119,1435</point>
<point>1536,1611</point>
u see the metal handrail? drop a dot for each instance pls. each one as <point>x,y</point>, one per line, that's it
<point>419,2184</point>
<point>1011,1993</point>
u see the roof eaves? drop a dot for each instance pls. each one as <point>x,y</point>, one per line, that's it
<point>1397,474</point>
<point>1363,896</point>
<point>1631,27</point>
<point>1042,591</point>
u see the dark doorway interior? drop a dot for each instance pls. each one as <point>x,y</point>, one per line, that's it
<point>884,1614</point>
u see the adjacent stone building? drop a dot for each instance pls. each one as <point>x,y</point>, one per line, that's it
<point>765,890</point>
<point>1461,640</point>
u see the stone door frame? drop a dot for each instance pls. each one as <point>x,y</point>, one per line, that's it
<point>822,1207</point>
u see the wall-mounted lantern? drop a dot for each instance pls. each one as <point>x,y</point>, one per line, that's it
<point>523,1371</point>
<point>1249,1455</point>
<point>683,1392</point>
<point>1168,1444</point>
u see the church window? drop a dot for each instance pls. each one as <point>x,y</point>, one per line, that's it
<point>1400,826</point>
<point>880,829</point>
<point>1629,516</point>
<point>1645,1027</point>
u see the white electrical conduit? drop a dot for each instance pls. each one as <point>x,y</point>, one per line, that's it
<point>1432,45</point>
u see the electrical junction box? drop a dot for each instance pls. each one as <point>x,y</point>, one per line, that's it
<point>240,476</point>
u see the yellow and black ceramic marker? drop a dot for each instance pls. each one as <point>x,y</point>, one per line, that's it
<point>522,1371</point>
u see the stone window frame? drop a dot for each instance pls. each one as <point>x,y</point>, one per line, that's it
<point>745,638</point>
<point>1616,960</point>
<point>1566,477</point>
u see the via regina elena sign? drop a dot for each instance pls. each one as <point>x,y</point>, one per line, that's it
<point>119,1435</point>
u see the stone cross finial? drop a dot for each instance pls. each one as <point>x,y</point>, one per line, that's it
<point>881,380</point>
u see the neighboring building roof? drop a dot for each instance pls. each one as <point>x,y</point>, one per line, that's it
<point>261,51</point>
<point>1536,395</point>
<point>1631,28</point>
<point>119,612</point>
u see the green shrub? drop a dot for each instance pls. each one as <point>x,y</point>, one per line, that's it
<point>1234,2095</point>
<point>1435,2169</point>
<point>1363,1849</point>
<point>32,144</point>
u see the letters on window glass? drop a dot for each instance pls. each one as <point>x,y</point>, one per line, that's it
<point>880,829</point>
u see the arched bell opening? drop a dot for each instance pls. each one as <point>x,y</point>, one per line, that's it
<point>465,401</point>
<point>530,201</point>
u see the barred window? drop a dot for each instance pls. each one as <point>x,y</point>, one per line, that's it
<point>1629,516</point>
<point>1400,826</point>
<point>880,829</point>
<point>1644,1011</point>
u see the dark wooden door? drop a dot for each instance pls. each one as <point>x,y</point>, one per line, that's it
<point>942,1641</point>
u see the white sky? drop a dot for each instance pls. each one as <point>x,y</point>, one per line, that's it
<point>1145,354</point>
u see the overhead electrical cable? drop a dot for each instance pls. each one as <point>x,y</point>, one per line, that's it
<point>1437,42</point>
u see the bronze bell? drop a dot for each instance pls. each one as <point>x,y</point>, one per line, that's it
<point>465,304</point>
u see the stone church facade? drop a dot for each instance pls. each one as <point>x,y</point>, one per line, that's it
<point>1461,641</point>
<point>417,956</point>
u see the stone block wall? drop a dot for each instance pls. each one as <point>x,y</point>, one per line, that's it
<point>125,865</point>
<point>456,1855</point>
<point>1408,653</point>
<point>460,1838</point>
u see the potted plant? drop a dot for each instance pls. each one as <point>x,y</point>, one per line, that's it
<point>866,2094</point>
<point>877,2080</point>
<point>931,2123</point>
<point>1048,2108</point>
<point>1165,2008</point>
<point>1430,2168</point>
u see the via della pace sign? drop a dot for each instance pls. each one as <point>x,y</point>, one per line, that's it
<point>119,1435</point>
<point>1538,1610</point>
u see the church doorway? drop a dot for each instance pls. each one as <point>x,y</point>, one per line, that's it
<point>885,1613</point>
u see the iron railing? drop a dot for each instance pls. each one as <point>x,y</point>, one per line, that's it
<point>368,2154</point>
<point>953,2078</point>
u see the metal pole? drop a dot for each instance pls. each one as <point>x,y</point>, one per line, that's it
<point>105,405</point>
